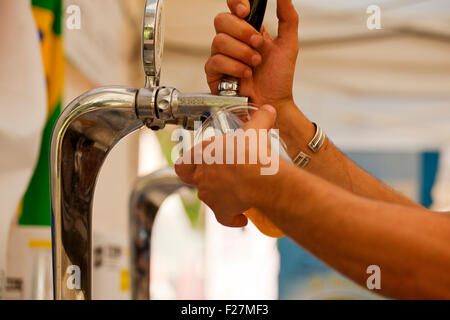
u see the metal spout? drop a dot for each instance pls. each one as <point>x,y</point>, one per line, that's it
<point>147,197</point>
<point>84,135</point>
<point>160,106</point>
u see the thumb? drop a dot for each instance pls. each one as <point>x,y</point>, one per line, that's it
<point>288,20</point>
<point>264,118</point>
<point>240,8</point>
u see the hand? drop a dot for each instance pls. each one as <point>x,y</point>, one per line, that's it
<point>265,66</point>
<point>226,188</point>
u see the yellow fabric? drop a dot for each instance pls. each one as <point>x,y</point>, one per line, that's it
<point>52,56</point>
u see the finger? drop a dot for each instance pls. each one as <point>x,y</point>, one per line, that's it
<point>220,64</point>
<point>238,29</point>
<point>188,167</point>
<point>186,171</point>
<point>222,215</point>
<point>288,20</point>
<point>231,47</point>
<point>237,221</point>
<point>264,118</point>
<point>241,8</point>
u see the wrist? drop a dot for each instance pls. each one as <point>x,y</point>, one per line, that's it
<point>247,180</point>
<point>283,104</point>
<point>296,129</point>
<point>265,192</point>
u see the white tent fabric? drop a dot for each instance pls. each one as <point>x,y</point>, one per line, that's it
<point>23,109</point>
<point>367,87</point>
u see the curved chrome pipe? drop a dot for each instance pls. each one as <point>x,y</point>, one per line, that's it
<point>84,135</point>
<point>147,197</point>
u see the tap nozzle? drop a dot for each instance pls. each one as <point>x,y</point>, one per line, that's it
<point>159,106</point>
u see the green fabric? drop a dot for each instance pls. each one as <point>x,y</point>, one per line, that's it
<point>165,140</point>
<point>191,205</point>
<point>56,7</point>
<point>36,205</point>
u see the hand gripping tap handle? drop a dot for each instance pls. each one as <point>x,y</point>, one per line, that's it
<point>230,85</point>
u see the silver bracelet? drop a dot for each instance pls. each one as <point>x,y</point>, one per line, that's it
<point>302,159</point>
<point>318,140</point>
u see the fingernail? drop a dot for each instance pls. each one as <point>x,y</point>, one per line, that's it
<point>256,40</point>
<point>256,59</point>
<point>241,10</point>
<point>247,74</point>
<point>269,108</point>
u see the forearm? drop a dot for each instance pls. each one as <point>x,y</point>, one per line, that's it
<point>350,233</point>
<point>329,163</point>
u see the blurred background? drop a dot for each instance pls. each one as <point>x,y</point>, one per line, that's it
<point>383,97</point>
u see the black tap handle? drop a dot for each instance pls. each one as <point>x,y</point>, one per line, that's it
<point>230,85</point>
<point>257,12</point>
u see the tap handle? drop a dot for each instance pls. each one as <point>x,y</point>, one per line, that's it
<point>229,86</point>
<point>257,12</point>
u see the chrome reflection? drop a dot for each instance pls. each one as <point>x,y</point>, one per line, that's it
<point>85,133</point>
<point>147,197</point>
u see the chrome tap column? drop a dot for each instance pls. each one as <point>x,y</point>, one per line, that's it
<point>147,197</point>
<point>84,135</point>
<point>86,132</point>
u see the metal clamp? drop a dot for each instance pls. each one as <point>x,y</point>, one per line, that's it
<point>229,87</point>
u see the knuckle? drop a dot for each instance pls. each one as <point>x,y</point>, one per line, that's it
<point>246,33</point>
<point>219,40</point>
<point>242,69</point>
<point>219,19</point>
<point>238,70</point>
<point>220,219</point>
<point>211,65</point>
<point>248,54</point>
<point>215,61</point>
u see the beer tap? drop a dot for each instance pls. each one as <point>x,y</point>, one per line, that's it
<point>85,133</point>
